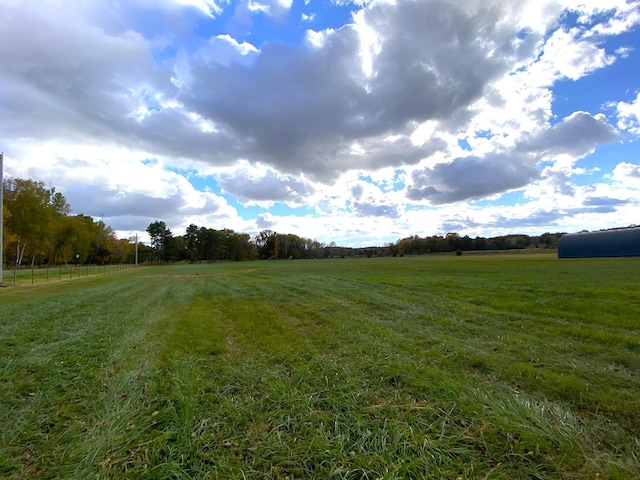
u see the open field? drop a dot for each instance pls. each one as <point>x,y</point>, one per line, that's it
<point>509,366</point>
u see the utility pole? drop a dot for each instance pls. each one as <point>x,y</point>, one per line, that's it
<point>1,219</point>
<point>136,249</point>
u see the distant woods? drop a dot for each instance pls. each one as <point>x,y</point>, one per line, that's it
<point>452,242</point>
<point>39,230</point>
<point>200,244</point>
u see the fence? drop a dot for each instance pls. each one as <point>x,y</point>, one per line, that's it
<point>32,275</point>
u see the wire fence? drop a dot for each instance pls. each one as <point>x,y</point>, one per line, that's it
<point>31,275</point>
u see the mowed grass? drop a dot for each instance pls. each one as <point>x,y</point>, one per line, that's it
<point>27,276</point>
<point>505,366</point>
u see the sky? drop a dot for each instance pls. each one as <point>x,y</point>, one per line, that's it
<point>358,123</point>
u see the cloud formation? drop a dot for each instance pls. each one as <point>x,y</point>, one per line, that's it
<point>629,115</point>
<point>577,135</point>
<point>471,178</point>
<point>439,101</point>
<point>265,185</point>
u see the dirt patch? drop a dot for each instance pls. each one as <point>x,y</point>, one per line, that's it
<point>193,275</point>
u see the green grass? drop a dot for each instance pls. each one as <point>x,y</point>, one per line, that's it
<point>39,274</point>
<point>509,366</point>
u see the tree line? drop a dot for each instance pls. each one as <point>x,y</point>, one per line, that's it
<point>39,229</point>
<point>200,244</point>
<point>452,242</point>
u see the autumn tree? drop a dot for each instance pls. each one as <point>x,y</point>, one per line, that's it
<point>31,208</point>
<point>39,227</point>
<point>265,242</point>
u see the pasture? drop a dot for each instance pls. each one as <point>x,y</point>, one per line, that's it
<point>492,366</point>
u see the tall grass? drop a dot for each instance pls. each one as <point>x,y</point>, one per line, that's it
<point>414,367</point>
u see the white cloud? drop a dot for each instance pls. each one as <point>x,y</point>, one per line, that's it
<point>208,7</point>
<point>629,115</point>
<point>274,8</point>
<point>623,17</point>
<point>624,52</point>
<point>257,7</point>
<point>225,50</point>
<point>119,185</point>
<point>576,135</point>
<point>319,38</point>
<point>627,174</point>
<point>565,55</point>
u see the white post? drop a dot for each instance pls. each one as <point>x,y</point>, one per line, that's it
<point>1,219</point>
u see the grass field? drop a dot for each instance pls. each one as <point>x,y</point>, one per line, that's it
<point>524,367</point>
<point>30,276</point>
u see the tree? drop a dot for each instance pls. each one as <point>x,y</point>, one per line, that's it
<point>161,238</point>
<point>71,238</point>
<point>59,204</point>
<point>104,244</point>
<point>209,243</point>
<point>453,242</point>
<point>192,242</point>
<point>8,236</point>
<point>38,227</point>
<point>30,210</point>
<point>265,243</point>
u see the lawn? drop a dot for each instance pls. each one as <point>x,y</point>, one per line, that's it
<point>493,366</point>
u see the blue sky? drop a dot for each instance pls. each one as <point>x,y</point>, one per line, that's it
<point>353,122</point>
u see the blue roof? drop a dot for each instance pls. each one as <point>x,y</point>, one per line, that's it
<point>624,242</point>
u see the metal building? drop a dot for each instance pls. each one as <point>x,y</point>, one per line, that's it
<point>623,242</point>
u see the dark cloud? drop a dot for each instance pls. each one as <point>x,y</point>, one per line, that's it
<point>264,221</point>
<point>604,201</point>
<point>547,218</point>
<point>110,73</point>
<point>122,208</point>
<point>357,191</point>
<point>577,135</point>
<point>65,79</point>
<point>93,201</point>
<point>296,108</point>
<point>416,192</point>
<point>537,219</point>
<point>559,180</point>
<point>471,178</point>
<point>271,186</point>
<point>436,57</point>
<point>601,209</point>
<point>300,108</point>
<point>459,225</point>
<point>375,210</point>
